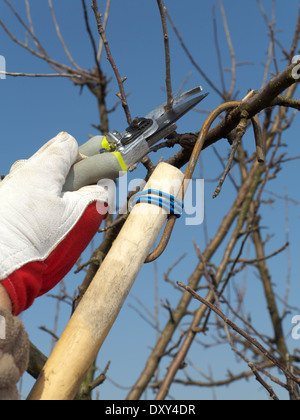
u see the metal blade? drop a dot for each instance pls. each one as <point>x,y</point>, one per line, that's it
<point>170,117</point>
<point>160,110</point>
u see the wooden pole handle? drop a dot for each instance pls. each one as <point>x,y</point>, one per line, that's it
<point>88,327</point>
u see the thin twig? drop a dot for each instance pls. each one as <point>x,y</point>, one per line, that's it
<point>106,14</point>
<point>191,58</point>
<point>260,149</point>
<point>218,51</point>
<point>232,325</point>
<point>89,31</point>
<point>86,388</point>
<point>60,36</point>
<point>43,328</point>
<point>287,102</point>
<point>71,76</point>
<point>162,10</point>
<point>271,26</point>
<point>42,54</point>
<point>231,49</point>
<point>29,15</point>
<point>256,260</point>
<point>28,29</point>
<point>241,129</point>
<point>110,59</point>
<point>296,37</point>
<point>251,365</point>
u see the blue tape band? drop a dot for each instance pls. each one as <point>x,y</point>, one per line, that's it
<point>160,194</point>
<point>159,198</point>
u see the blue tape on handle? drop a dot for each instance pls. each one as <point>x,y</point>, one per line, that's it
<point>159,198</point>
<point>160,194</point>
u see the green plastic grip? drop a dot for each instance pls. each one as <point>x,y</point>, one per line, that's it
<point>89,171</point>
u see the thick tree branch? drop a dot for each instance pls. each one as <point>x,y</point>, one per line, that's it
<point>263,99</point>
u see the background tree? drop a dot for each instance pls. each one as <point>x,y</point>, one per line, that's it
<point>242,275</point>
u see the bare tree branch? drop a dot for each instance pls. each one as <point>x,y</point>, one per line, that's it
<point>231,49</point>
<point>253,341</point>
<point>163,10</point>
<point>191,58</point>
<point>110,59</point>
<point>61,38</point>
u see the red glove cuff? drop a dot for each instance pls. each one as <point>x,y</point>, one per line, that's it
<point>37,278</point>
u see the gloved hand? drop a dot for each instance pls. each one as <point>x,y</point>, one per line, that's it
<point>43,230</point>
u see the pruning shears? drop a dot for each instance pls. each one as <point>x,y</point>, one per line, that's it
<point>110,156</point>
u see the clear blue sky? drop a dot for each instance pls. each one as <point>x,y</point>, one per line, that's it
<point>35,110</point>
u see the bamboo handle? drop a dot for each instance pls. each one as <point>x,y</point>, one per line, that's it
<point>88,327</point>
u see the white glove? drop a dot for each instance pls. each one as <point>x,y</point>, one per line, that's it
<point>43,230</point>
